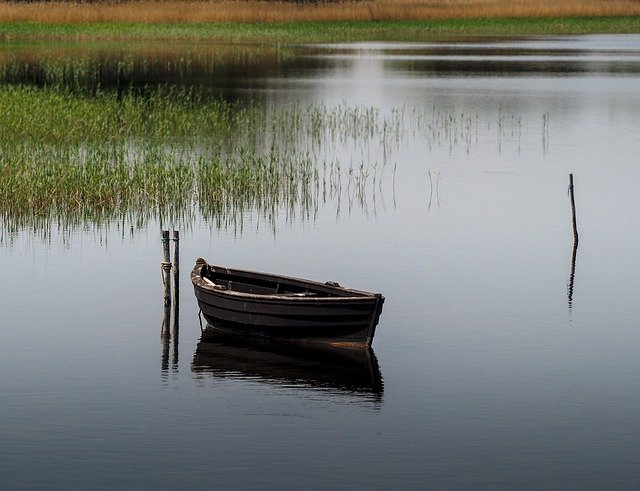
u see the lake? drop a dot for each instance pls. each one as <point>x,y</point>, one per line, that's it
<point>503,358</point>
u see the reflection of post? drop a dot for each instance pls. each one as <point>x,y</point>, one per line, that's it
<point>572,274</point>
<point>176,299</point>
<point>165,337</point>
<point>176,332</point>
<point>575,243</point>
<point>167,320</point>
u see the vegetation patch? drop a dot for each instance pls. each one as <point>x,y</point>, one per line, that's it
<point>316,31</point>
<point>261,11</point>
<point>91,157</point>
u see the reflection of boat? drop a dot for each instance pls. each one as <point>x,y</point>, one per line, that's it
<point>281,307</point>
<point>353,371</point>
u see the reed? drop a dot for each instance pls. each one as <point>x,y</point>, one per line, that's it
<point>167,154</point>
<point>74,153</point>
<point>234,11</point>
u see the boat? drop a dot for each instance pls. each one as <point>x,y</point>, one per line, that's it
<point>250,303</point>
<point>353,373</point>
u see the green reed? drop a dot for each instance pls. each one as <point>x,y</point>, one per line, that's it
<point>75,151</point>
<point>163,153</point>
<point>56,115</point>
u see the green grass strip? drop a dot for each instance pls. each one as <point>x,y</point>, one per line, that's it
<point>324,31</point>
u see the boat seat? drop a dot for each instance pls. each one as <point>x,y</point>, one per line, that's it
<point>214,285</point>
<point>299,294</point>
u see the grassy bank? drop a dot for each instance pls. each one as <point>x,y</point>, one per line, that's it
<point>320,31</point>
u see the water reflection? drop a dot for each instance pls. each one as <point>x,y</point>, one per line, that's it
<point>494,58</point>
<point>91,67</point>
<point>250,71</point>
<point>169,336</point>
<point>170,330</point>
<point>433,185</point>
<point>348,372</point>
<point>572,274</point>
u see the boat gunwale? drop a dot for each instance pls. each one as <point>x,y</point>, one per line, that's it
<point>356,295</point>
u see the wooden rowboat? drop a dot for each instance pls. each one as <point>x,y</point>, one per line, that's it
<point>285,308</point>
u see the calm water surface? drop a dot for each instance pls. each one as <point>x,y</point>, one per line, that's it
<point>485,372</point>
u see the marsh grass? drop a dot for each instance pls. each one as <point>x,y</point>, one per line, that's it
<point>267,22</point>
<point>76,154</point>
<point>167,154</point>
<point>254,11</point>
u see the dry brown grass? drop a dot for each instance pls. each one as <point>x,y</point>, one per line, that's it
<point>145,11</point>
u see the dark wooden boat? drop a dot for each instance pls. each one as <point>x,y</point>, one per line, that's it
<point>285,308</point>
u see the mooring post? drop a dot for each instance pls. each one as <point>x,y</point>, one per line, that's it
<point>166,268</point>
<point>165,246</point>
<point>573,210</point>
<point>176,256</point>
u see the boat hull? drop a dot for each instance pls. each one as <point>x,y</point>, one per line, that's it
<point>336,316</point>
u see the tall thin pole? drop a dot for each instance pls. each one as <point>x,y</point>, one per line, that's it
<point>176,256</point>
<point>166,268</point>
<point>165,246</point>
<point>573,210</point>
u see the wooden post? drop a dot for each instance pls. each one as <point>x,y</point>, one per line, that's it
<point>176,256</point>
<point>573,209</point>
<point>166,268</point>
<point>165,246</point>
